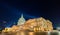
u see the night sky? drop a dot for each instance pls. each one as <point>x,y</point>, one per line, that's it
<point>10,11</point>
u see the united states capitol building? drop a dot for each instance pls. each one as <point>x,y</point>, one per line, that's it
<point>36,25</point>
<point>33,26</point>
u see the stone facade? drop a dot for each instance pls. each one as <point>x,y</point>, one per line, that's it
<point>36,25</point>
<point>39,24</point>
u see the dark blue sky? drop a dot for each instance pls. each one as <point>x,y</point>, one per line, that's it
<point>10,11</point>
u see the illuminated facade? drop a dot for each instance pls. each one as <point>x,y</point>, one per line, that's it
<point>36,25</point>
<point>39,24</point>
<point>7,30</point>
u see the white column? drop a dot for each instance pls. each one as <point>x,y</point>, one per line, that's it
<point>48,32</point>
<point>59,33</point>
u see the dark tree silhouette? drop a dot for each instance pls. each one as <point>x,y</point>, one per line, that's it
<point>2,26</point>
